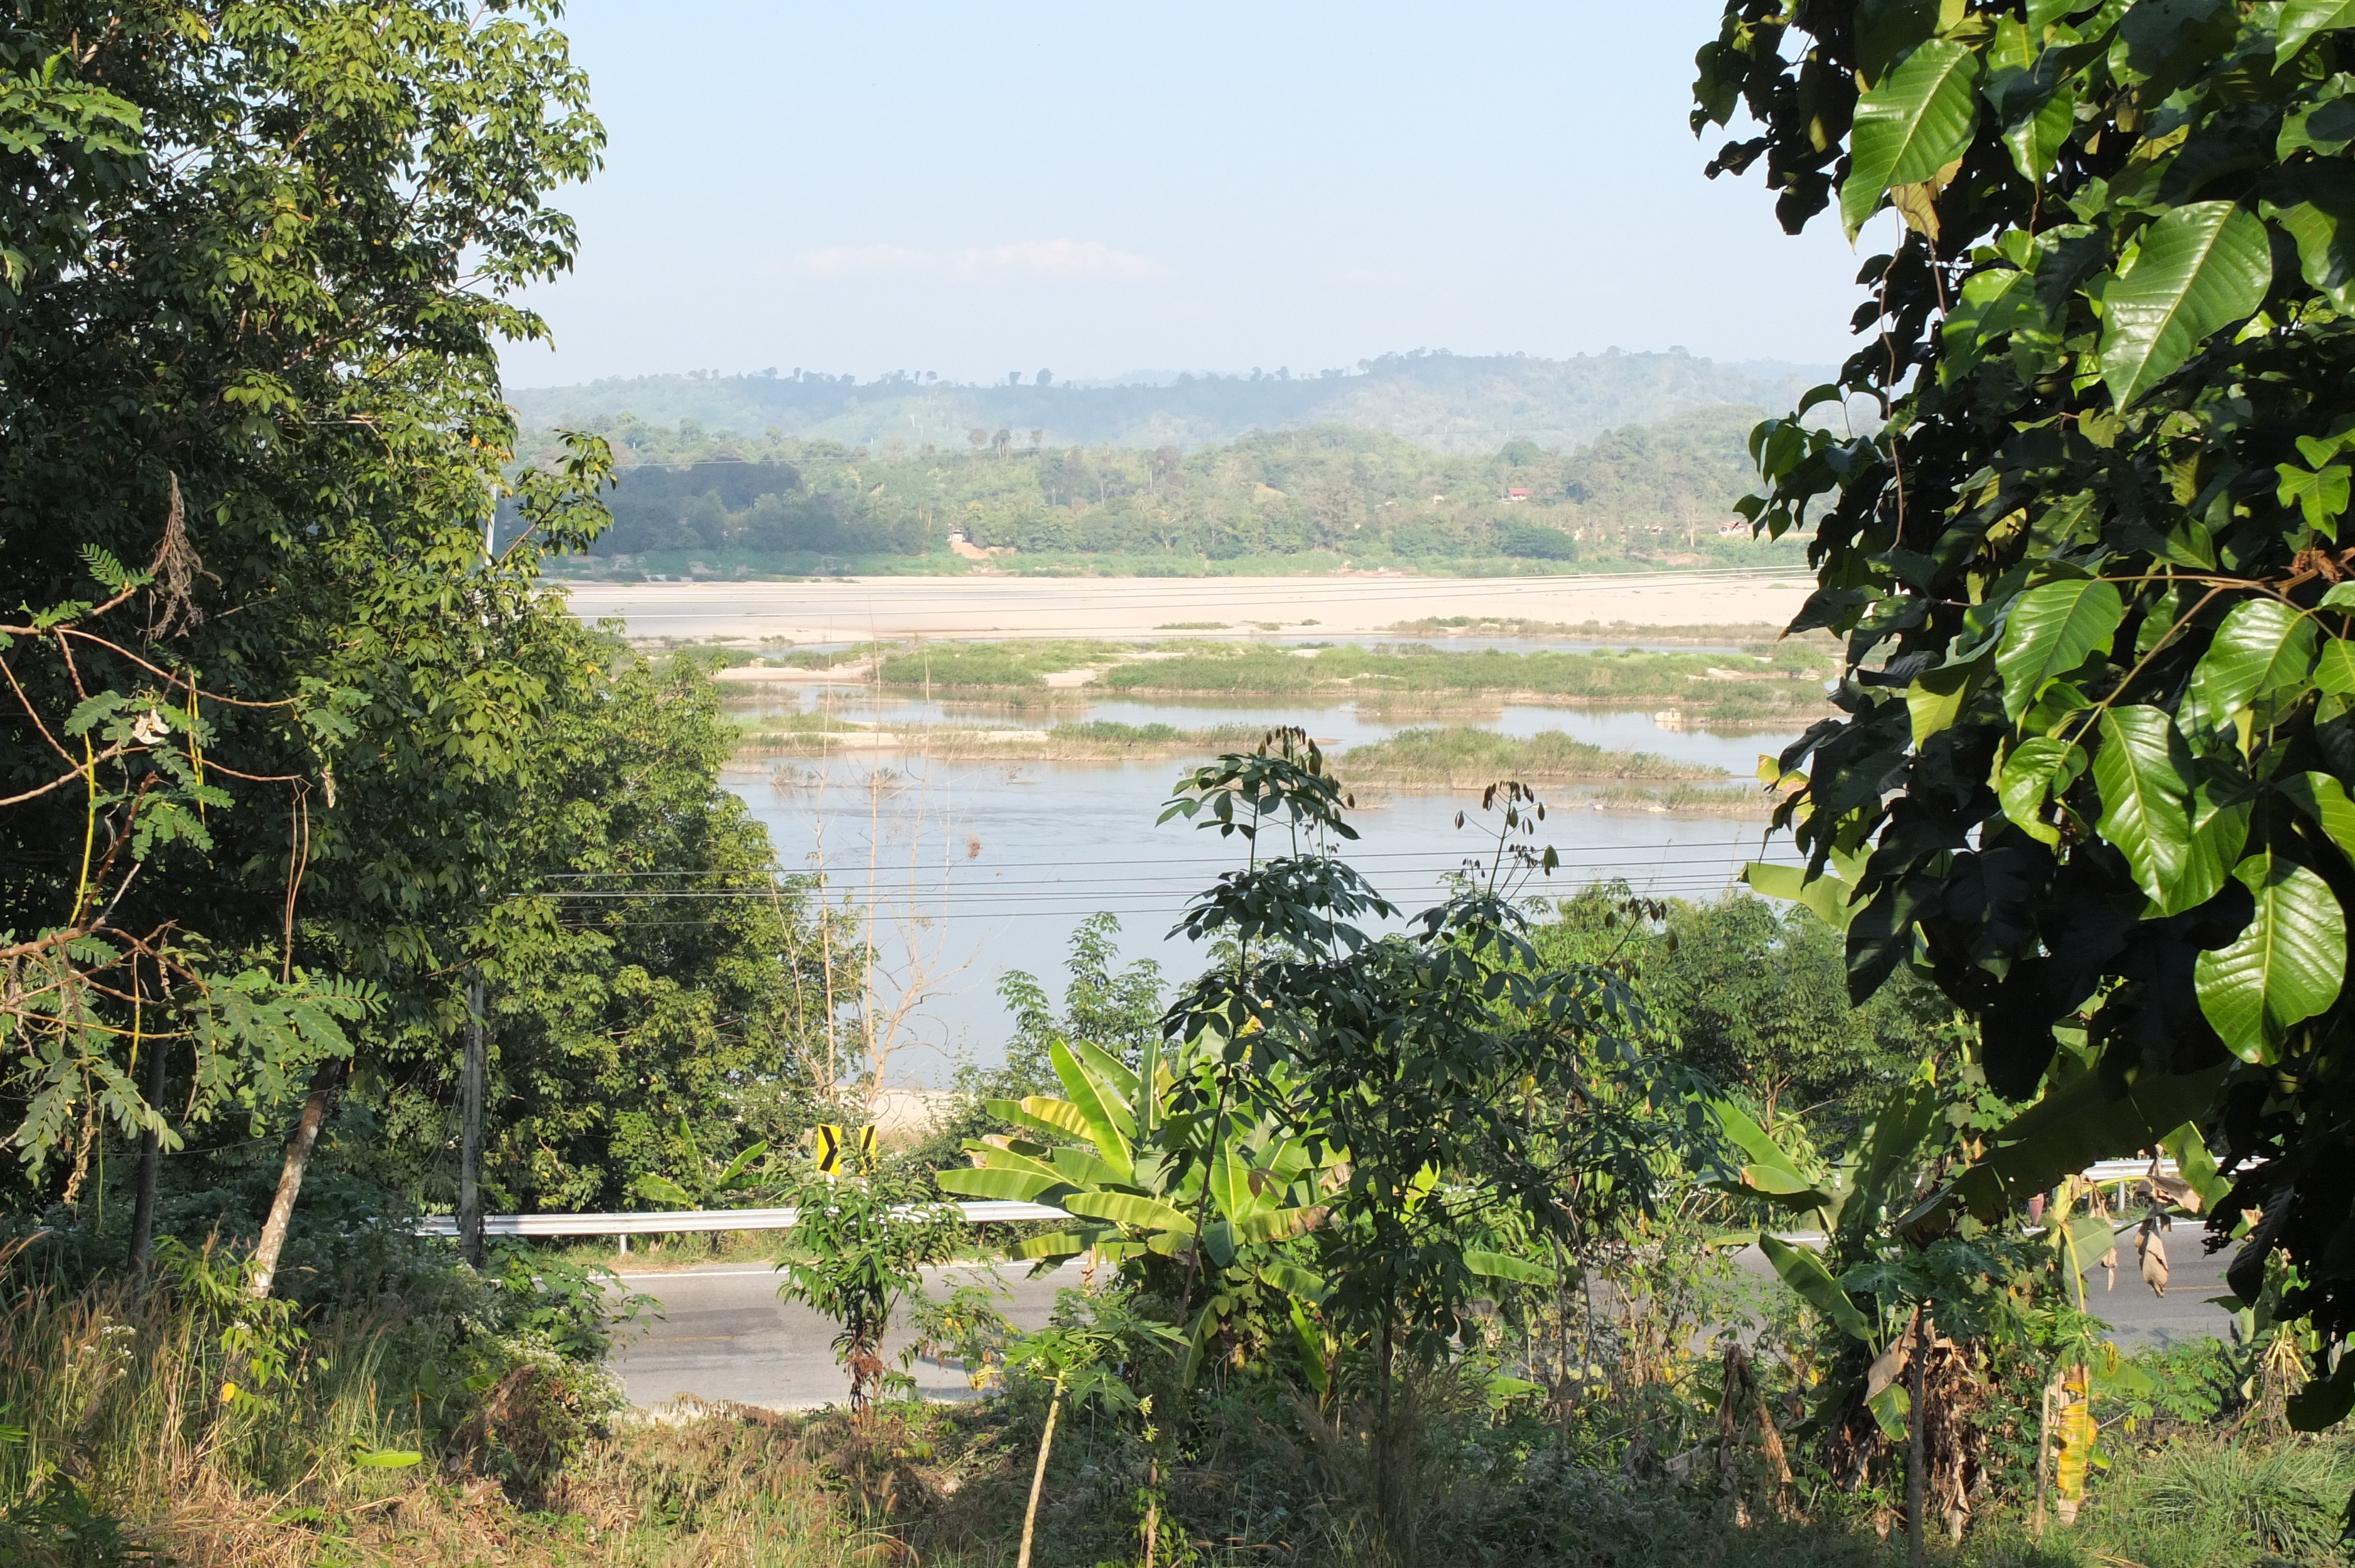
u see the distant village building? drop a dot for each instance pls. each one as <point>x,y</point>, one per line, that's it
<point>1516,495</point>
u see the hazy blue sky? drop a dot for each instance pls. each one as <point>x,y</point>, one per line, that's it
<point>1102,187</point>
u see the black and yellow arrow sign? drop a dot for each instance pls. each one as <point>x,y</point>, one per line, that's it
<point>832,1146</point>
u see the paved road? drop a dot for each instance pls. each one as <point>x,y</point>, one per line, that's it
<point>721,1333</point>
<point>2137,1318</point>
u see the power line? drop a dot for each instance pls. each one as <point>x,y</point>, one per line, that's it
<point>1426,864</point>
<point>1075,895</point>
<point>1664,887</point>
<point>1687,849</point>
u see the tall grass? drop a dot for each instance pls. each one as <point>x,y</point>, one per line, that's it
<point>1464,754</point>
<point>179,1424</point>
<point>154,1409</point>
<point>2205,1503</point>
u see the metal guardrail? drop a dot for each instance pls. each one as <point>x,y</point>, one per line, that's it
<point>675,1222</point>
<point>2104,1172</point>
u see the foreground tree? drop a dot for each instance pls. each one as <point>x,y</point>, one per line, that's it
<point>2099,704</point>
<point>271,702</point>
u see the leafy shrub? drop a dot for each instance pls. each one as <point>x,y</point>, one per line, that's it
<point>58,1528</point>
<point>1535,540</point>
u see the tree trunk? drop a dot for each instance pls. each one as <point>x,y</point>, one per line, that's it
<point>1916,1487</point>
<point>290,1179</point>
<point>1395,1505</point>
<point>1039,1476</point>
<point>1152,1508</point>
<point>2043,1458</point>
<point>151,1168</point>
<point>470,1132</point>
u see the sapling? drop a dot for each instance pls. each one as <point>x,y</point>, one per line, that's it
<point>857,1252</point>
<point>1077,1351</point>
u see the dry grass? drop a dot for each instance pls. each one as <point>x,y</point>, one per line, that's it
<point>726,1490</point>
<point>119,1396</point>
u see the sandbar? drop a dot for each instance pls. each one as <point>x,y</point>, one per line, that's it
<point>856,610</point>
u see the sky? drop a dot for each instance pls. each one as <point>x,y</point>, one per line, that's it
<point>1101,188</point>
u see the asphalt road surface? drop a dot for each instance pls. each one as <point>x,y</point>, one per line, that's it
<point>718,1332</point>
<point>2137,1318</point>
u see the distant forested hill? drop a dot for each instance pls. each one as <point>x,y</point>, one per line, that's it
<point>1449,403</point>
<point>1321,498</point>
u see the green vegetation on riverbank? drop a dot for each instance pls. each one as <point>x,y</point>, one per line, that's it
<point>1324,499</point>
<point>1455,757</point>
<point>1771,679</point>
<point>1766,682</point>
<point>1625,632</point>
<point>1465,754</point>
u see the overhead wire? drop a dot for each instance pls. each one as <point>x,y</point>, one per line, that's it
<point>948,876</point>
<point>1353,856</point>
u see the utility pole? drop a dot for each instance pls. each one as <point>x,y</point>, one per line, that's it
<point>470,1073</point>
<point>470,1131</point>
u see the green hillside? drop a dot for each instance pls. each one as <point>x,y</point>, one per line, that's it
<point>1458,404</point>
<point>1316,499</point>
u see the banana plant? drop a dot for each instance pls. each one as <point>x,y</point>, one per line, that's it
<point>1196,1206</point>
<point>713,1181</point>
<point>1848,1201</point>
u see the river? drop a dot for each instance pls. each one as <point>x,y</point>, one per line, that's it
<point>971,868</point>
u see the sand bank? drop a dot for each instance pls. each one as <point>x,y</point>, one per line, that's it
<point>850,610</point>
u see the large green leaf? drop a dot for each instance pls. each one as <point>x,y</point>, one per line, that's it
<point>733,1178</point>
<point>1277,1225</point>
<point>1041,1113</point>
<point>2036,139</point>
<point>1110,1070</point>
<point>2301,19</point>
<point>2263,646</point>
<point>2051,631</point>
<point>662,1190</point>
<point>2143,772</point>
<point>2321,796</point>
<point>1911,127</point>
<point>2200,268</point>
<point>2286,965</point>
<point>1292,1280</point>
<point>2076,1124</point>
<point>2334,667</point>
<point>2314,202</point>
<point>1130,1210</point>
<point>1936,699</point>
<point>1885,29</point>
<point>1018,1186</point>
<point>1096,1103</point>
<point>2085,1239</point>
<point>1229,1178</point>
<point>1062,1243</point>
<point>1804,1273</point>
<point>1504,1265</point>
<point>1769,1172</point>
<point>2035,770</point>
<point>1825,896</point>
<point>1897,1147</point>
<point>1082,1169</point>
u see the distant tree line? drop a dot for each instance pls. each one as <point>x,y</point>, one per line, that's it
<point>1463,404</point>
<point>1647,491</point>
